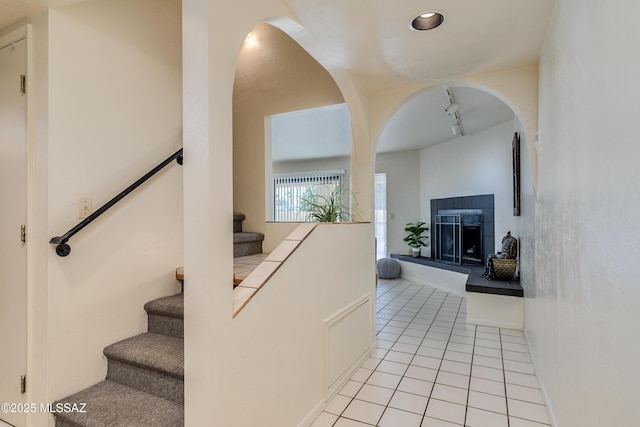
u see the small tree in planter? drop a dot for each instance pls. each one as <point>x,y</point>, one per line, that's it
<point>414,238</point>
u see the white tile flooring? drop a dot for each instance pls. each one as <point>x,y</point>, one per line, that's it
<point>432,369</point>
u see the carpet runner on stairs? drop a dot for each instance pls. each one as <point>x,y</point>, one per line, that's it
<point>245,243</point>
<point>144,386</point>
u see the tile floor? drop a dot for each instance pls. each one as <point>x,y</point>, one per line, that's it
<point>431,369</point>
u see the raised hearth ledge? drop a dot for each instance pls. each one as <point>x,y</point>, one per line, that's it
<point>475,281</point>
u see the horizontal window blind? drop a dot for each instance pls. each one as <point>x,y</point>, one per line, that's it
<point>289,187</point>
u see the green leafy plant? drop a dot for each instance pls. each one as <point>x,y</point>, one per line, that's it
<point>415,239</point>
<point>326,204</point>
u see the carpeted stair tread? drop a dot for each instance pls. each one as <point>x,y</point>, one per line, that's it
<point>247,236</point>
<point>172,306</point>
<point>237,222</point>
<point>155,352</point>
<point>109,404</point>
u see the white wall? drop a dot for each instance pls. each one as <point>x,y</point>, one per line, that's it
<point>278,359</point>
<point>114,112</point>
<point>210,58</point>
<point>471,165</point>
<point>403,195</point>
<point>582,309</point>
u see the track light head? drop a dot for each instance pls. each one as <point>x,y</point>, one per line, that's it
<point>452,109</point>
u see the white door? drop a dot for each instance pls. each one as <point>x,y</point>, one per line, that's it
<point>13,215</point>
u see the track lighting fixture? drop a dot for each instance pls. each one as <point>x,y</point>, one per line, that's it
<point>452,109</point>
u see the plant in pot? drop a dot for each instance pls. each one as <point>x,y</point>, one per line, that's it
<point>414,238</point>
<point>328,204</point>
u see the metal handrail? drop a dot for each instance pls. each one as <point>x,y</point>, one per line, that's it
<point>63,249</point>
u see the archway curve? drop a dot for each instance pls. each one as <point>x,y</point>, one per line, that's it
<point>439,87</point>
<point>517,89</point>
<point>282,91</point>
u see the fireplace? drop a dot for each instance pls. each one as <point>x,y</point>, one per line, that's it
<point>462,229</point>
<point>458,236</point>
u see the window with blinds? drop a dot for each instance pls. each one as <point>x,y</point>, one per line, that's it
<point>289,187</point>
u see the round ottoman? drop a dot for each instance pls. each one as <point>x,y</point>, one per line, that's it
<point>388,268</point>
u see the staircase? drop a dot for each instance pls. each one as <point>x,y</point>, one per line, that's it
<point>144,386</point>
<point>245,243</point>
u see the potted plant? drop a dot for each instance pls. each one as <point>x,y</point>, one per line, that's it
<point>414,238</point>
<point>326,204</point>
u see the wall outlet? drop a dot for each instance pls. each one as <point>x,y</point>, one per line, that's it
<point>84,207</point>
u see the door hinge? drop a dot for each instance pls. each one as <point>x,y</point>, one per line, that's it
<point>23,84</point>
<point>23,233</point>
<point>23,384</point>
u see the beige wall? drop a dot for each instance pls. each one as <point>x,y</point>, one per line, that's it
<point>298,335</point>
<point>274,75</point>
<point>582,307</point>
<point>107,108</point>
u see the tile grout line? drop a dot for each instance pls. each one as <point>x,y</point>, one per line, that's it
<point>424,415</point>
<point>414,354</point>
<point>415,306</point>
<point>504,378</point>
<point>473,353</point>
<point>399,310</point>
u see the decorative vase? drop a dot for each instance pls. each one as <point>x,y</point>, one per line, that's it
<point>415,252</point>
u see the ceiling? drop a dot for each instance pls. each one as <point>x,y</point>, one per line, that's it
<point>421,122</point>
<point>372,40</point>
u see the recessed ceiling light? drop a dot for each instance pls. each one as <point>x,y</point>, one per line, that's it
<point>250,40</point>
<point>427,21</point>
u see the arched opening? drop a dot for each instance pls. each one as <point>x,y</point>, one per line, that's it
<point>289,120</point>
<point>445,148</point>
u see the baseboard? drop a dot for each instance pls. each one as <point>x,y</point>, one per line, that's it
<point>543,391</point>
<point>313,414</point>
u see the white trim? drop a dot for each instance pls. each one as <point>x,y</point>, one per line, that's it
<point>331,389</point>
<point>543,391</point>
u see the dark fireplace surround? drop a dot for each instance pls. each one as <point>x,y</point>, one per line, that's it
<point>462,229</point>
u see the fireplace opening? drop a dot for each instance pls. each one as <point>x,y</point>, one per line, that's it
<point>448,238</point>
<point>466,240</point>
<point>472,239</point>
<point>458,236</point>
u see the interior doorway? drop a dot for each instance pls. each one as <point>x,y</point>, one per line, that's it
<point>13,220</point>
